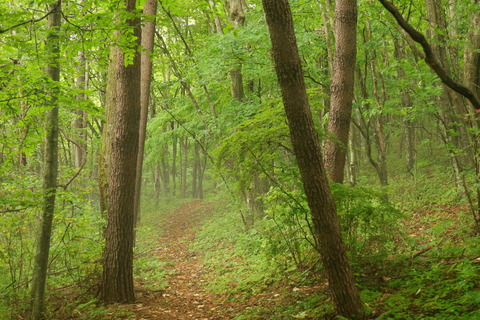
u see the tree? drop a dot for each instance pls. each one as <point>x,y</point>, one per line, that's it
<point>307,150</point>
<point>433,58</point>
<point>50,167</point>
<point>341,89</point>
<point>237,17</point>
<point>117,279</point>
<point>148,34</point>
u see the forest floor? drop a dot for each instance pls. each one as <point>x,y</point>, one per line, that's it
<point>183,273</point>
<point>185,296</point>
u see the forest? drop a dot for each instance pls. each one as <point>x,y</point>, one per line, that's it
<point>239,159</point>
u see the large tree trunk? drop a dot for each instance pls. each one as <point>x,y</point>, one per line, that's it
<point>117,280</point>
<point>148,33</point>
<point>341,90</point>
<point>40,265</point>
<point>307,150</point>
<point>110,103</point>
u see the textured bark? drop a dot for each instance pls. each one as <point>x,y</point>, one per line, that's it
<point>148,34</point>
<point>117,280</point>
<point>341,90</point>
<point>50,174</point>
<point>472,54</point>
<point>308,154</point>
<point>110,103</point>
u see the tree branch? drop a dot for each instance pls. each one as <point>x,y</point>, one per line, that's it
<point>32,20</point>
<point>430,57</point>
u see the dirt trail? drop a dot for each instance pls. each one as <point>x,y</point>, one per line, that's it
<point>185,298</point>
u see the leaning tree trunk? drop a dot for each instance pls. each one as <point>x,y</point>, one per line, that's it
<point>40,266</point>
<point>117,280</point>
<point>341,89</point>
<point>307,149</point>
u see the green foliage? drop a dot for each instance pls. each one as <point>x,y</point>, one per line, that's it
<point>237,260</point>
<point>299,305</point>
<point>254,144</point>
<point>436,291</point>
<point>76,246</point>
<point>369,221</point>
<point>289,227</point>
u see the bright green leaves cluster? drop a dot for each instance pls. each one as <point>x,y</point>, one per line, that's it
<point>252,146</point>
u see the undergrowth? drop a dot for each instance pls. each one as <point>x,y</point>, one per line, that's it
<point>420,263</point>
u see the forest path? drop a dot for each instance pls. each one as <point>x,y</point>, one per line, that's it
<point>185,297</point>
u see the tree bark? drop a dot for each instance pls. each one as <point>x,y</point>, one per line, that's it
<point>308,154</point>
<point>117,280</point>
<point>341,90</point>
<point>148,33</point>
<point>110,103</point>
<point>40,265</point>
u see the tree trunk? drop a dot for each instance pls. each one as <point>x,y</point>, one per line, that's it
<point>173,169</point>
<point>183,181</point>
<point>40,265</point>
<point>351,171</point>
<point>195,169</point>
<point>307,150</point>
<point>341,90</point>
<point>117,280</point>
<point>237,17</point>
<point>451,121</point>
<point>408,123</point>
<point>148,33</point>
<point>365,128</point>
<point>201,174</point>
<point>472,80</point>
<point>165,171</point>
<point>80,147</point>
<point>110,103</point>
